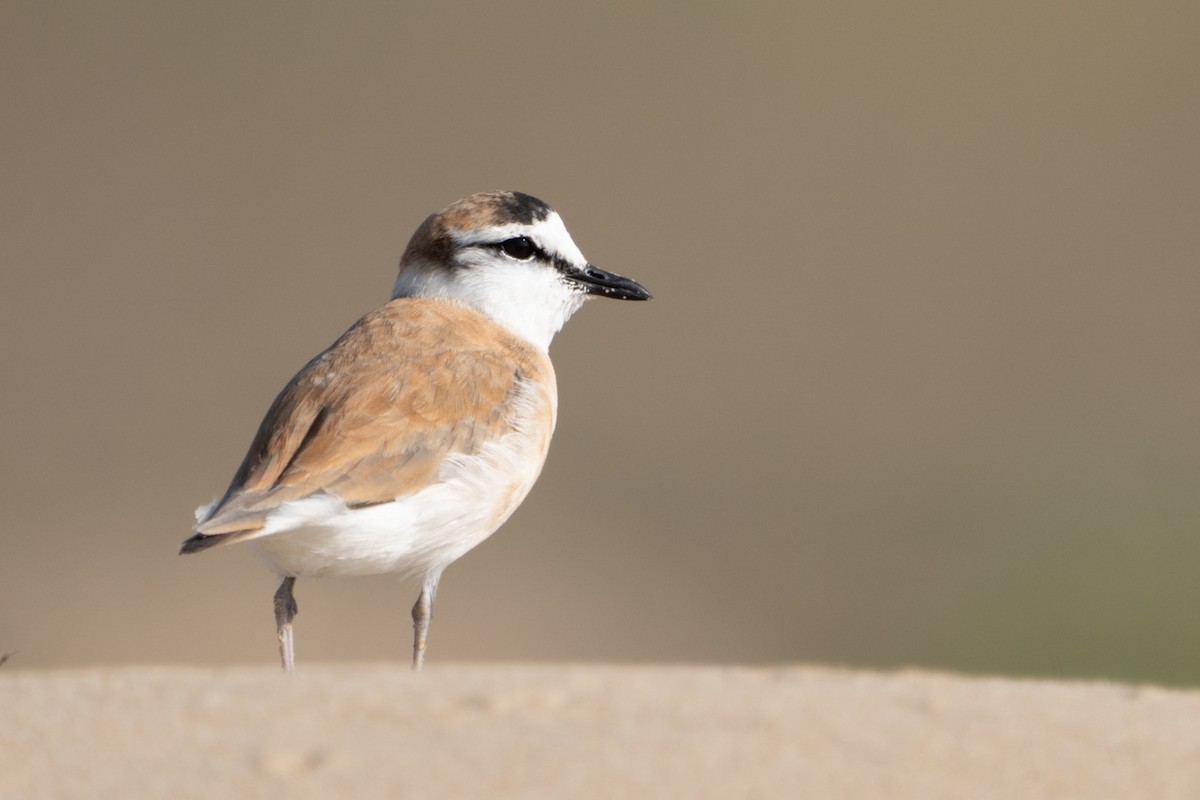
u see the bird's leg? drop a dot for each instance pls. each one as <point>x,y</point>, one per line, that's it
<point>422,613</point>
<point>285,612</point>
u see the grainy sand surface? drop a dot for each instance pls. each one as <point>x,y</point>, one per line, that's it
<point>587,731</point>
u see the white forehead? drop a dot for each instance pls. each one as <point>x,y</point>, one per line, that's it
<point>550,234</point>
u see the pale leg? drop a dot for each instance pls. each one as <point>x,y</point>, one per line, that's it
<point>422,613</point>
<point>285,612</point>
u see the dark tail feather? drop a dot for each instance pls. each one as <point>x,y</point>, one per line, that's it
<point>203,541</point>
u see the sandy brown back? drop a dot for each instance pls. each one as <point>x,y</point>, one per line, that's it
<point>372,418</point>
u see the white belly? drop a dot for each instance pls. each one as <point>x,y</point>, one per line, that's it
<point>416,534</point>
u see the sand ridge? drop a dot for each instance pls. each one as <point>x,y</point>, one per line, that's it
<point>587,731</point>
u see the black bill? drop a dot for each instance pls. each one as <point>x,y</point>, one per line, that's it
<point>608,284</point>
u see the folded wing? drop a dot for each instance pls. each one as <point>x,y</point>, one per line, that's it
<point>372,418</point>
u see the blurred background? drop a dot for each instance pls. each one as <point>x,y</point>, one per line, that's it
<point>920,385</point>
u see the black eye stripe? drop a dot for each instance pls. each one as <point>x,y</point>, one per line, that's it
<point>523,248</point>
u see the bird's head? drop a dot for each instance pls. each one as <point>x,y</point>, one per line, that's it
<point>508,255</point>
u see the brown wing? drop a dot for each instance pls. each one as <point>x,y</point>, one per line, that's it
<point>372,418</point>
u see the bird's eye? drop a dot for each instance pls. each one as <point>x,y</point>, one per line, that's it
<point>520,248</point>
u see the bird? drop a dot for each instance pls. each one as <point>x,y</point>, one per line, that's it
<point>416,434</point>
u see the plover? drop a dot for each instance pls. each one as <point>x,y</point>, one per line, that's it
<point>416,434</point>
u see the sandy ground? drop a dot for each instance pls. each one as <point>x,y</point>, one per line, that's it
<point>588,731</point>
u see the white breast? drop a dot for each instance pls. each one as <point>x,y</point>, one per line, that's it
<point>423,531</point>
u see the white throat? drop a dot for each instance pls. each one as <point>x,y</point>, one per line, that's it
<point>533,303</point>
